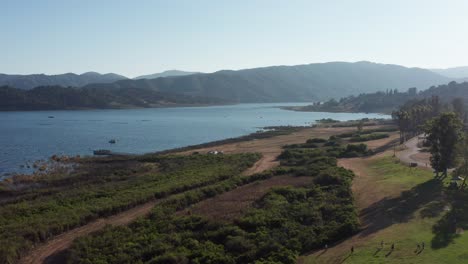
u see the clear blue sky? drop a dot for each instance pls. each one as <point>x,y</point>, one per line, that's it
<point>141,37</point>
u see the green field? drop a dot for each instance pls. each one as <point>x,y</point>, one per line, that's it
<point>423,213</point>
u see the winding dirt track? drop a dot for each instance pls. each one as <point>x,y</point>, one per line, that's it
<point>270,148</point>
<point>412,154</point>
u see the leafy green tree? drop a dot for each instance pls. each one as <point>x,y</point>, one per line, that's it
<point>444,133</point>
<point>463,169</point>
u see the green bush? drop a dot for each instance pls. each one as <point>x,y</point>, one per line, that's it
<point>368,137</point>
<point>316,140</point>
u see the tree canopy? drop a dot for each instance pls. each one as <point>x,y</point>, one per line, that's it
<point>444,133</point>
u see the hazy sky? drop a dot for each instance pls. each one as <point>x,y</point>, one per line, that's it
<point>141,37</point>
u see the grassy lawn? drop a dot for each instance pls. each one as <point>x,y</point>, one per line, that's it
<point>405,220</point>
<point>391,174</point>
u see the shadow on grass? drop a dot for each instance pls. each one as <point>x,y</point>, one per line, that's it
<point>433,209</point>
<point>377,251</point>
<point>389,253</point>
<point>450,225</point>
<point>57,258</point>
<point>387,212</point>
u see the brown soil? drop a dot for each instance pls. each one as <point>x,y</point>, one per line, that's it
<point>230,205</point>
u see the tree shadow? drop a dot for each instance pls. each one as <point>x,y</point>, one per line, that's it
<point>387,212</point>
<point>449,226</point>
<point>57,258</point>
<point>433,209</point>
<point>347,257</point>
<point>389,253</point>
<point>377,251</point>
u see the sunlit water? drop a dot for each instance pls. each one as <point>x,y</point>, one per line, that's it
<point>29,136</point>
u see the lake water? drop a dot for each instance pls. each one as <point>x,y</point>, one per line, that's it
<point>29,136</point>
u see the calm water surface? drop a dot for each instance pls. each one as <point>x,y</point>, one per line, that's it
<point>29,136</point>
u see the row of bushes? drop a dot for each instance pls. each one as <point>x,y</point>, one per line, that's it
<point>368,137</point>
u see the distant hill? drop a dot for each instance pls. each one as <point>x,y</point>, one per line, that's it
<point>389,100</point>
<point>164,74</point>
<point>68,79</point>
<point>312,82</point>
<point>60,98</point>
<point>455,72</point>
<point>301,83</point>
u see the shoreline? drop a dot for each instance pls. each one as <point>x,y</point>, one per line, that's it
<point>267,132</point>
<point>262,133</point>
<point>152,107</point>
<point>301,109</point>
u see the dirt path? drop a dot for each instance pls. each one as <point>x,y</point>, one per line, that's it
<point>54,246</point>
<point>413,154</point>
<point>270,148</point>
<point>267,161</point>
<point>230,205</point>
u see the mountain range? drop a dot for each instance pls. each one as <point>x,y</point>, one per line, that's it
<point>30,81</point>
<point>164,74</point>
<point>300,83</point>
<point>67,80</point>
<point>311,82</point>
<point>455,72</point>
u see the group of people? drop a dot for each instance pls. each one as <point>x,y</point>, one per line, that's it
<point>419,248</point>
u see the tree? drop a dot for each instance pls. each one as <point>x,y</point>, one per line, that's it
<point>413,91</point>
<point>360,125</point>
<point>463,169</point>
<point>459,107</point>
<point>444,133</point>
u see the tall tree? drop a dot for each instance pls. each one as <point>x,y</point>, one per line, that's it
<point>444,133</point>
<point>463,169</point>
<point>459,107</point>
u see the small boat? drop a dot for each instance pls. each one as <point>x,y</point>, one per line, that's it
<point>102,152</point>
<point>112,141</point>
<point>51,116</point>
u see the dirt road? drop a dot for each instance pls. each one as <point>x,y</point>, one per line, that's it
<point>413,154</point>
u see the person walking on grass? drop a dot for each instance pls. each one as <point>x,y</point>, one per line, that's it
<point>417,248</point>
<point>393,246</point>
<point>423,245</point>
<point>352,249</point>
